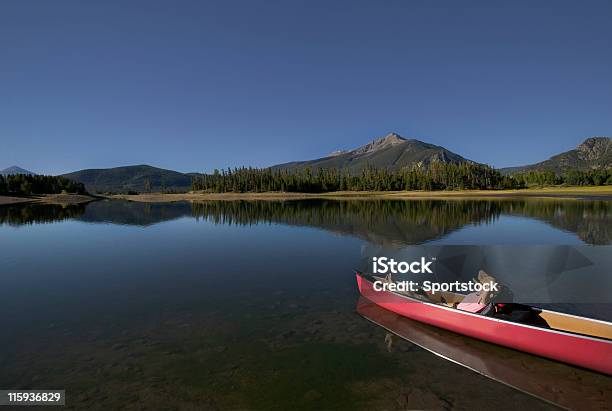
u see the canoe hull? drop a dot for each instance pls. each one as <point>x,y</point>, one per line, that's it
<point>583,351</point>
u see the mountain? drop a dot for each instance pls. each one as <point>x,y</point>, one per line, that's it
<point>139,178</point>
<point>594,152</point>
<point>15,170</point>
<point>392,152</point>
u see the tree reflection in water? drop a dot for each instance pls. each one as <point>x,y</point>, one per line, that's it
<point>384,222</point>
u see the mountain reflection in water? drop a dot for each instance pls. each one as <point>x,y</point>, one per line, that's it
<point>383,222</point>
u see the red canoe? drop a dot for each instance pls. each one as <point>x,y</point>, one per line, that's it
<point>568,338</point>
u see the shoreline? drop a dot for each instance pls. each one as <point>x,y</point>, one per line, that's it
<point>58,199</point>
<point>572,193</point>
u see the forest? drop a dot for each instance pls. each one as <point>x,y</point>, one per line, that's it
<point>436,176</point>
<point>597,177</point>
<point>24,184</point>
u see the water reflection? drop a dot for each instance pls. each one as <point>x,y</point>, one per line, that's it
<point>376,221</point>
<point>133,213</point>
<point>383,222</point>
<point>389,222</point>
<point>118,314</point>
<point>16,215</point>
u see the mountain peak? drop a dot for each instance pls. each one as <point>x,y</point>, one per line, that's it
<point>594,147</point>
<point>594,142</point>
<point>391,139</point>
<point>391,152</point>
<point>592,153</point>
<point>15,170</point>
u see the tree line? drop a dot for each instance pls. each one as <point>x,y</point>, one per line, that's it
<point>436,176</point>
<point>24,184</point>
<point>596,177</point>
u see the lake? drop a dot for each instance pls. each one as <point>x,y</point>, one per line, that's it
<point>242,304</point>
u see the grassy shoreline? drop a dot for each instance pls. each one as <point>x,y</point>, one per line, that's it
<point>61,199</point>
<point>604,192</point>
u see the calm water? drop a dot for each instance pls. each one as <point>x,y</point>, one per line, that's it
<point>241,304</point>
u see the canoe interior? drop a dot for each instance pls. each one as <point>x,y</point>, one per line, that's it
<point>577,325</point>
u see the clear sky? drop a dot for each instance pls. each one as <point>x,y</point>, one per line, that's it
<point>195,85</point>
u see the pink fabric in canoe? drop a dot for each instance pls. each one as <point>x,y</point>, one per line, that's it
<point>471,303</point>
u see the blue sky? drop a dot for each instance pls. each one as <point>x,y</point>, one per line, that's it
<point>195,85</point>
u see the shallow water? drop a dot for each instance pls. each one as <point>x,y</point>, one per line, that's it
<point>241,304</point>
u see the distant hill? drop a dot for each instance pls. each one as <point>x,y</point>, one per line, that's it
<point>15,170</point>
<point>391,152</point>
<point>139,178</point>
<point>594,152</point>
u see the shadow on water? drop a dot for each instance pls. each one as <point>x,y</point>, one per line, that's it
<point>384,222</point>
